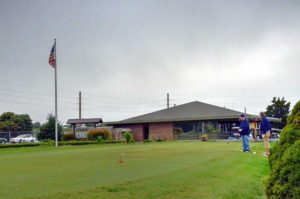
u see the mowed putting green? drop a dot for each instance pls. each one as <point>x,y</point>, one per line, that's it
<point>152,170</point>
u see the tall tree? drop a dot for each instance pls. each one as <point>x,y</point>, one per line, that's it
<point>47,130</point>
<point>279,108</point>
<point>36,125</point>
<point>7,121</point>
<point>13,122</point>
<point>24,122</point>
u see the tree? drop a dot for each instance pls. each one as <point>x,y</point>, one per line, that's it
<point>284,179</point>
<point>24,122</point>
<point>36,125</point>
<point>13,122</point>
<point>47,130</point>
<point>279,108</point>
<point>7,121</point>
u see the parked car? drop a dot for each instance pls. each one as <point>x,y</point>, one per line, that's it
<point>275,133</point>
<point>3,140</point>
<point>30,138</point>
<point>24,138</point>
<point>236,133</point>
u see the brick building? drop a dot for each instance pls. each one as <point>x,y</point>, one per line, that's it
<point>192,118</point>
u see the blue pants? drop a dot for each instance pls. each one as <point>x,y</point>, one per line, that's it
<point>245,139</point>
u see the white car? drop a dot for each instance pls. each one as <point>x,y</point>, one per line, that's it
<point>24,138</point>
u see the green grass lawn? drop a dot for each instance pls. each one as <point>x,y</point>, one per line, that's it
<point>152,170</point>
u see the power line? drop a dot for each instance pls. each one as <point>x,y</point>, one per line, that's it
<point>35,98</point>
<point>133,101</point>
<point>34,93</point>
<point>25,103</point>
<point>30,86</point>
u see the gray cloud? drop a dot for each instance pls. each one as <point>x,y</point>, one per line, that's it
<point>126,55</point>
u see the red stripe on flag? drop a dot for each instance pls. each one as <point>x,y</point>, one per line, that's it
<point>52,59</point>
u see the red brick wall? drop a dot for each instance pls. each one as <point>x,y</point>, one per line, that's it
<point>161,130</point>
<point>156,130</point>
<point>137,131</point>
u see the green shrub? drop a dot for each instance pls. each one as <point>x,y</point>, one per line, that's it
<point>19,145</point>
<point>284,160</point>
<point>294,117</point>
<point>68,136</point>
<point>211,129</point>
<point>75,142</point>
<point>284,181</point>
<point>204,137</point>
<point>48,142</point>
<point>94,133</point>
<point>112,141</point>
<point>85,142</point>
<point>99,139</point>
<point>147,141</point>
<point>128,137</point>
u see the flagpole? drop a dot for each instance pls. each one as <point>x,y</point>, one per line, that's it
<point>56,135</point>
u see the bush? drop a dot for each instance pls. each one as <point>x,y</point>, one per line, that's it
<point>19,145</point>
<point>204,137</point>
<point>99,139</point>
<point>94,133</point>
<point>112,141</point>
<point>128,137</point>
<point>148,141</point>
<point>69,136</point>
<point>48,143</point>
<point>284,180</point>
<point>75,142</point>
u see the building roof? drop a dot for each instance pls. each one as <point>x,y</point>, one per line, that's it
<point>186,112</point>
<point>84,121</point>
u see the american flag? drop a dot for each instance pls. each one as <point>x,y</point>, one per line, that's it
<point>52,59</point>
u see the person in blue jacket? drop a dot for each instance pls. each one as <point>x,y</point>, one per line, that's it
<point>265,130</point>
<point>244,131</point>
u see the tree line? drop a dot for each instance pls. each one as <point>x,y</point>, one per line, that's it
<point>11,122</point>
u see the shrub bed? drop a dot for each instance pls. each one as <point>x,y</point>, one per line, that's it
<point>69,136</point>
<point>94,133</point>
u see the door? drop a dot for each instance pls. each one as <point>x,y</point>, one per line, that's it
<point>146,132</point>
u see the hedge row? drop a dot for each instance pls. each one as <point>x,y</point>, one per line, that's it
<point>76,142</point>
<point>112,141</point>
<point>64,143</point>
<point>19,145</point>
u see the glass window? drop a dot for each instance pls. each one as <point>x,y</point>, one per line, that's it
<point>187,127</point>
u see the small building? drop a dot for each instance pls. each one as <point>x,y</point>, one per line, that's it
<point>192,118</point>
<point>76,123</point>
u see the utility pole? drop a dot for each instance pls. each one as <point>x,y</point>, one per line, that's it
<point>79,104</point>
<point>168,100</point>
<point>245,110</point>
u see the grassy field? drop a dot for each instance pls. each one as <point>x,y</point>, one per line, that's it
<point>152,170</point>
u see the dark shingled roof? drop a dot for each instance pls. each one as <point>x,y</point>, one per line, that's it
<point>186,112</point>
<point>84,121</point>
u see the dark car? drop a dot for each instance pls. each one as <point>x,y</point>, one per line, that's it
<point>3,140</point>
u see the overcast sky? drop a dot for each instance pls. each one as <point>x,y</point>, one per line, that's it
<point>126,55</point>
